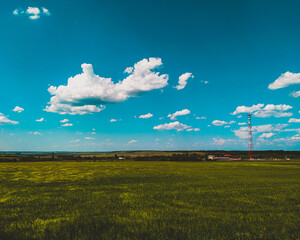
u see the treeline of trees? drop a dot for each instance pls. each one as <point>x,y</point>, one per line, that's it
<point>178,156</point>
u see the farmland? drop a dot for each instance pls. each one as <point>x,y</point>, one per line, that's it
<point>149,200</point>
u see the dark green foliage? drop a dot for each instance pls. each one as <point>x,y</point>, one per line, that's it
<point>149,200</point>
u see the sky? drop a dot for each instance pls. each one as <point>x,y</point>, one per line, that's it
<point>149,75</point>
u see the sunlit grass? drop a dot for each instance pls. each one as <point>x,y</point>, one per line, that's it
<point>149,200</point>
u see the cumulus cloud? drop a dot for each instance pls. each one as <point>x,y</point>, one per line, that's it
<point>132,141</point>
<point>64,120</point>
<point>179,113</point>
<point>32,12</point>
<point>113,120</point>
<point>18,109</point>
<point>295,94</point>
<point>221,123</point>
<point>285,80</point>
<point>267,135</point>
<point>243,123</point>
<point>274,110</point>
<point>5,120</point>
<point>148,115</point>
<point>243,131</point>
<point>218,123</point>
<point>294,120</point>
<point>86,90</point>
<point>183,80</point>
<point>270,110</point>
<point>67,125</point>
<point>40,120</point>
<point>172,125</point>
<point>244,109</point>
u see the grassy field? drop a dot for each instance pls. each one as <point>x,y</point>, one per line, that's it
<point>150,200</point>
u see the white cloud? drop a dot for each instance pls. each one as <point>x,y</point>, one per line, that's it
<point>294,120</point>
<point>193,129</point>
<point>18,109</point>
<point>221,141</point>
<point>113,120</point>
<point>148,115</point>
<point>243,131</point>
<point>75,141</point>
<point>267,135</point>
<point>218,123</point>
<point>198,118</point>
<point>274,110</point>
<point>32,12</point>
<point>183,80</point>
<point>64,120</point>
<point>244,109</point>
<point>35,133</point>
<point>45,11</point>
<point>67,125</point>
<point>40,120</point>
<point>291,130</point>
<point>172,125</point>
<point>221,123</point>
<point>16,12</point>
<point>179,113</point>
<point>5,120</point>
<point>128,70</point>
<point>289,139</point>
<point>295,94</point>
<point>296,137</point>
<point>132,141</point>
<point>270,110</point>
<point>285,80</point>
<point>86,90</point>
<point>89,138</point>
<point>241,124</point>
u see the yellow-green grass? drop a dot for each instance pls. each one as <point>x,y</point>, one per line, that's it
<point>149,200</point>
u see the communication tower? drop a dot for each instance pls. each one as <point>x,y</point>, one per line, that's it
<point>250,139</point>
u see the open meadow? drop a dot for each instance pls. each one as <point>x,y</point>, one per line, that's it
<point>150,200</point>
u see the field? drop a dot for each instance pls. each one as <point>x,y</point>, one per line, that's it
<point>150,200</point>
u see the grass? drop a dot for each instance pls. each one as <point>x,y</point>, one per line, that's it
<point>149,200</point>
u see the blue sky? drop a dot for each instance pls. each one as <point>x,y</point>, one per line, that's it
<point>191,69</point>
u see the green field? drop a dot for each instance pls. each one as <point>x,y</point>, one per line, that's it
<point>150,200</point>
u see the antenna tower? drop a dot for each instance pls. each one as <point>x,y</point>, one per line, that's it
<point>250,139</point>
